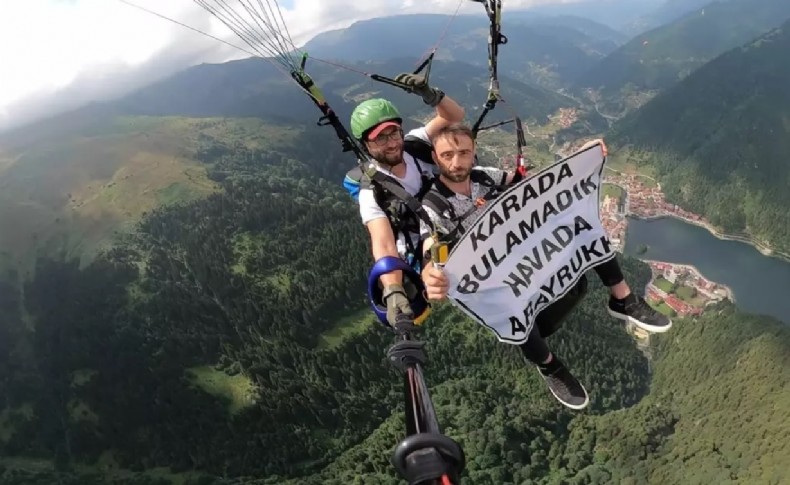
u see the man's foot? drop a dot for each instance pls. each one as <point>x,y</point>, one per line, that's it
<point>566,388</point>
<point>636,310</point>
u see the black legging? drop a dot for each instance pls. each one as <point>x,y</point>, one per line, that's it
<point>610,272</point>
<point>535,348</point>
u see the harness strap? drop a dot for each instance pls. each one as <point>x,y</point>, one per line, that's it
<point>412,202</point>
<point>437,200</point>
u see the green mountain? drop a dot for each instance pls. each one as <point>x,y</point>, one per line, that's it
<point>71,182</point>
<point>617,14</point>
<point>253,87</point>
<point>547,51</point>
<point>184,354</point>
<point>719,140</point>
<point>223,336</point>
<point>223,325</point>
<point>707,387</point>
<point>667,12</point>
<point>716,412</point>
<point>659,58</point>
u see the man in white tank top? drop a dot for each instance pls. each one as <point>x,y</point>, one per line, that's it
<point>378,125</point>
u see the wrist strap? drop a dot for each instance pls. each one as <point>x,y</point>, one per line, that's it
<point>438,97</point>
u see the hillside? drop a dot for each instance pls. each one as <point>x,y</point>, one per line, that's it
<point>706,388</point>
<point>720,148</point>
<point>226,324</point>
<point>547,51</point>
<point>667,12</point>
<point>70,191</point>
<point>252,87</point>
<point>211,333</point>
<point>716,412</point>
<point>69,183</point>
<point>219,331</point>
<point>185,368</point>
<point>659,58</point>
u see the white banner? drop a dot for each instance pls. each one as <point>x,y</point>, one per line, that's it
<point>531,246</point>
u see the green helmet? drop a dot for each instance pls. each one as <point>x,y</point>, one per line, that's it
<point>370,113</point>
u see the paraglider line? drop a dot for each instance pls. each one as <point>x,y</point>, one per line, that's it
<point>435,46</point>
<point>242,29</point>
<point>187,26</point>
<point>252,54</point>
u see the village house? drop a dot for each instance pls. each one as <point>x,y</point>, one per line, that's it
<point>646,201</point>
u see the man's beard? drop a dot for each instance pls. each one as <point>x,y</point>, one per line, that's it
<point>390,159</point>
<point>456,176</point>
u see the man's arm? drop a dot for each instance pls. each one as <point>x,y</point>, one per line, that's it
<point>382,239</point>
<point>512,177</point>
<point>593,142</point>
<point>382,242</point>
<point>447,111</point>
<point>500,177</point>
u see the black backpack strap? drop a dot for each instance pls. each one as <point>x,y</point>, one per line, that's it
<point>393,187</point>
<point>418,148</point>
<point>438,203</point>
<point>494,189</point>
<point>437,200</point>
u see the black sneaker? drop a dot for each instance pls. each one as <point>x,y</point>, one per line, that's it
<point>636,310</point>
<point>566,388</point>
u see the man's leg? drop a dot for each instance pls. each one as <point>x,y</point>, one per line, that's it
<point>626,305</point>
<point>566,388</point>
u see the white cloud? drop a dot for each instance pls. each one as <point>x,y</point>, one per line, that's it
<point>58,54</point>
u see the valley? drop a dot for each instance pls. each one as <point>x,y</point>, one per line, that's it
<point>183,277</point>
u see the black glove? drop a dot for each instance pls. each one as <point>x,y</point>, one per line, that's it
<point>397,303</point>
<point>417,85</point>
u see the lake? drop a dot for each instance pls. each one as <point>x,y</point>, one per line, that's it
<point>761,284</point>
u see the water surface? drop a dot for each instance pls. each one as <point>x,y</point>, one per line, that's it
<point>761,284</point>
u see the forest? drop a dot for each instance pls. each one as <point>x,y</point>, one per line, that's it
<point>244,281</point>
<point>657,59</point>
<point>720,148</point>
<point>108,366</point>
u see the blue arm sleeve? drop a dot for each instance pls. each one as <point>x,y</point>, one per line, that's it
<point>352,187</point>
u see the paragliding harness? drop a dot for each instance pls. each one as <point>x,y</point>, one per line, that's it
<point>437,200</point>
<point>404,211</point>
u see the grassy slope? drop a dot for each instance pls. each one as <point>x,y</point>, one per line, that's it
<point>73,191</point>
<point>717,411</point>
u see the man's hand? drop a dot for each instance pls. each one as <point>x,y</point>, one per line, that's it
<point>593,142</point>
<point>436,283</point>
<point>418,85</point>
<point>397,303</point>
